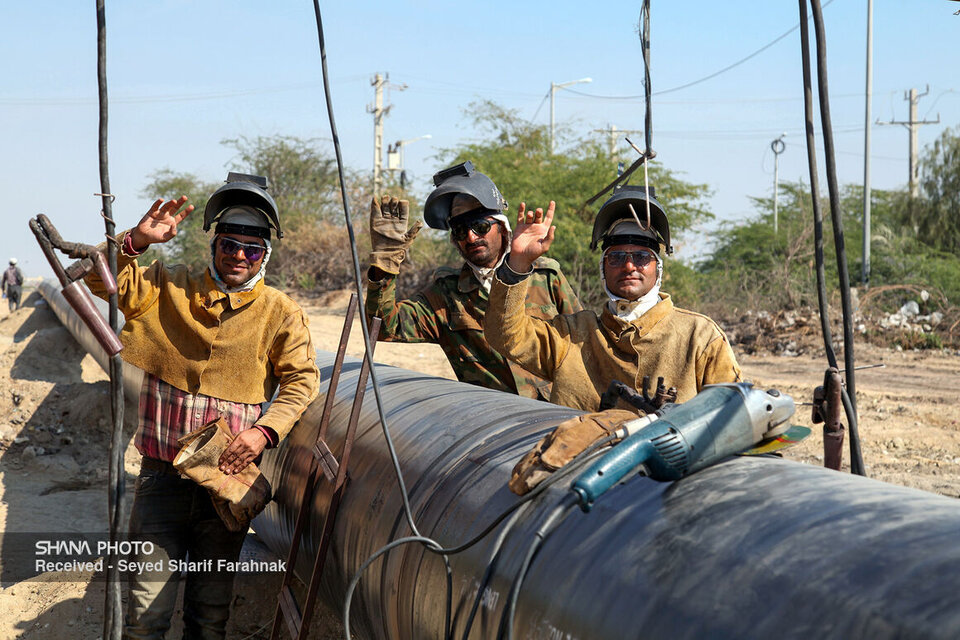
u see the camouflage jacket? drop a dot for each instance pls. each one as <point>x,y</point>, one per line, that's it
<point>450,312</point>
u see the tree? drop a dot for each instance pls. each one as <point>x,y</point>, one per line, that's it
<point>936,215</point>
<point>752,268</point>
<point>515,153</point>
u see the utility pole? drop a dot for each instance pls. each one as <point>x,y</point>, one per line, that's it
<point>553,92</point>
<point>778,147</point>
<point>865,272</point>
<point>913,126</point>
<point>614,136</point>
<point>379,82</point>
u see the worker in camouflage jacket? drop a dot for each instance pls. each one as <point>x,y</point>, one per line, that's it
<point>450,310</point>
<point>640,333</point>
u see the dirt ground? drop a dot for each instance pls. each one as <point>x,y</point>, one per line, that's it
<point>55,424</point>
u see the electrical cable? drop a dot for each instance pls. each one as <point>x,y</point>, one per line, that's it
<point>704,78</point>
<point>856,458</point>
<point>815,191</point>
<point>488,572</point>
<point>546,528</point>
<point>408,512</point>
<point>113,609</point>
<point>833,188</point>
<point>540,106</point>
<point>649,153</point>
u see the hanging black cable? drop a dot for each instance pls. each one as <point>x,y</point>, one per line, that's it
<point>649,153</point>
<point>856,457</point>
<point>815,191</point>
<point>408,512</point>
<point>647,84</point>
<point>113,610</point>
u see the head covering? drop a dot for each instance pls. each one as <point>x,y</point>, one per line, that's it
<point>13,261</point>
<point>243,189</point>
<point>243,220</point>
<point>460,179</point>
<point>630,202</point>
<point>629,232</point>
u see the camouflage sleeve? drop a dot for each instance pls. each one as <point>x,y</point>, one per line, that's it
<point>412,320</point>
<point>563,296</point>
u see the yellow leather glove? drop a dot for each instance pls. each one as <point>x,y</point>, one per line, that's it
<point>570,438</point>
<point>389,236</point>
<point>237,498</point>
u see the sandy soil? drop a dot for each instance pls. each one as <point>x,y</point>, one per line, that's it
<point>55,422</point>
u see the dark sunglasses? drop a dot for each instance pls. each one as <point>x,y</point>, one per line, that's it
<point>480,227</point>
<point>252,252</point>
<point>639,258</point>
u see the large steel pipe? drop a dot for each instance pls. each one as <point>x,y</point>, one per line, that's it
<point>750,548</point>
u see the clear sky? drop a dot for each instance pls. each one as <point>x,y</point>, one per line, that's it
<point>185,75</point>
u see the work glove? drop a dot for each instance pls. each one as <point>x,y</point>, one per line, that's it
<point>389,236</point>
<point>570,438</point>
<point>237,498</point>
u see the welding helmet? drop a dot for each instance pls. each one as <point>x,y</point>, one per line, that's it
<point>242,190</point>
<point>460,179</point>
<point>654,233</point>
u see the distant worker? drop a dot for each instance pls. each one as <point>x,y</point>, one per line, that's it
<point>212,345</point>
<point>639,333</point>
<point>12,283</point>
<point>450,310</point>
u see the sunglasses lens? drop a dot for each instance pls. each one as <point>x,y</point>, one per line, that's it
<point>252,252</point>
<point>479,228</point>
<point>638,258</point>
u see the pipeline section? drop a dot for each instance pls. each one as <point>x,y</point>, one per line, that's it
<point>752,547</point>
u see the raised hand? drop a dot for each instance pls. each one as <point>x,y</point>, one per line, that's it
<point>160,222</point>
<point>389,236</point>
<point>532,237</point>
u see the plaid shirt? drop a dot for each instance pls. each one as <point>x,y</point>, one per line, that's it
<point>167,413</point>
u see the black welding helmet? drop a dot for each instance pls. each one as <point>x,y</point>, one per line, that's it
<point>242,190</point>
<point>654,232</point>
<point>460,179</point>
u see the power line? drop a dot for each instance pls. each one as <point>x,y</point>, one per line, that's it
<point>715,73</point>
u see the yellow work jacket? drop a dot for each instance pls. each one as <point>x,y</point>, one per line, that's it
<point>582,353</point>
<point>237,347</point>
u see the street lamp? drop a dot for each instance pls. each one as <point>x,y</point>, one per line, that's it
<point>553,90</point>
<point>777,146</point>
<point>395,154</point>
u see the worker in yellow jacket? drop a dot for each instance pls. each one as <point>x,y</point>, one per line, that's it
<point>212,345</point>
<point>639,332</point>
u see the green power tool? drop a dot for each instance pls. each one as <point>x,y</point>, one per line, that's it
<point>720,421</point>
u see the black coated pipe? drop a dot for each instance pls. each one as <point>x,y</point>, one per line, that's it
<point>753,547</point>
<point>750,548</point>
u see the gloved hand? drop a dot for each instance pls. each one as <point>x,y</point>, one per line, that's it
<point>389,236</point>
<point>570,438</point>
<point>237,498</point>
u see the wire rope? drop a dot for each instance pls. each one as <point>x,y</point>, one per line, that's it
<point>856,458</point>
